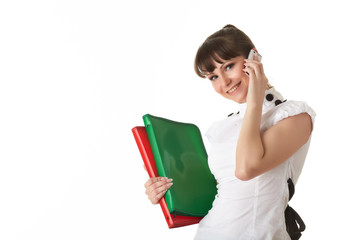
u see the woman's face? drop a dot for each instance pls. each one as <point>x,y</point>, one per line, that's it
<point>229,80</point>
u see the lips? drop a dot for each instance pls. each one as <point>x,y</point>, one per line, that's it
<point>233,88</point>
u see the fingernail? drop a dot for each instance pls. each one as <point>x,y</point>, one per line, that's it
<point>170,184</point>
<point>169,180</point>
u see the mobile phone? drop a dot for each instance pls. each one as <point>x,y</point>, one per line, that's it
<point>253,53</point>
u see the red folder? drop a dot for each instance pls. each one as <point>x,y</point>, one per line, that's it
<point>143,144</point>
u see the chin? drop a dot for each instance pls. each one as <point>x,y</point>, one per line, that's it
<point>240,99</point>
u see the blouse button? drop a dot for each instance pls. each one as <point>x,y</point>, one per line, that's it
<point>269,97</point>
<point>277,102</point>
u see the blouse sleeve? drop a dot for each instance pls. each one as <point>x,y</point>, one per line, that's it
<point>285,110</point>
<point>292,108</point>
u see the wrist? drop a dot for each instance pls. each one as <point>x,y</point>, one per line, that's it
<point>254,105</point>
<point>252,115</point>
<point>256,98</point>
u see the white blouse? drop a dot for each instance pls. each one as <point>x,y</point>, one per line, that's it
<point>251,209</point>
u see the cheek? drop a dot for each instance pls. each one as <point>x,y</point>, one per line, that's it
<point>244,79</point>
<point>243,74</point>
<point>239,73</point>
<point>216,87</point>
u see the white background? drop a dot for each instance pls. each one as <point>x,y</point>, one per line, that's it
<point>76,76</point>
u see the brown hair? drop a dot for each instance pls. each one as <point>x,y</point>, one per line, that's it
<point>227,43</point>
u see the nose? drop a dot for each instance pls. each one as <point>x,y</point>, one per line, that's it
<point>225,80</point>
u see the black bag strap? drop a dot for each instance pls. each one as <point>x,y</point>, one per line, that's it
<point>294,224</point>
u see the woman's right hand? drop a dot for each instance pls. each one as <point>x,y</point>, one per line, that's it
<point>156,188</point>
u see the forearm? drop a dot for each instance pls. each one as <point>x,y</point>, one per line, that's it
<point>249,149</point>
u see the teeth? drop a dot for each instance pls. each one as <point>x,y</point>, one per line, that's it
<point>234,88</point>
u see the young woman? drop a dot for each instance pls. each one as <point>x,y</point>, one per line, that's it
<point>256,154</point>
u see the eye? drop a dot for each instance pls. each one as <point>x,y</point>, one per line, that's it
<point>228,67</point>
<point>213,77</point>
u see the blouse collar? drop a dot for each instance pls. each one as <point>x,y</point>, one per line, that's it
<point>272,98</point>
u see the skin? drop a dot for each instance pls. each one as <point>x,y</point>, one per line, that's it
<point>156,188</point>
<point>228,75</point>
<point>256,153</point>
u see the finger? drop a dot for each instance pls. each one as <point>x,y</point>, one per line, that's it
<point>159,186</point>
<point>249,71</point>
<point>156,186</point>
<point>150,181</point>
<point>258,69</point>
<point>256,58</point>
<point>158,193</point>
<point>157,198</point>
<point>158,190</point>
<point>255,66</point>
<point>250,61</point>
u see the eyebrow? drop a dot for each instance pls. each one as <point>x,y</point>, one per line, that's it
<point>222,65</point>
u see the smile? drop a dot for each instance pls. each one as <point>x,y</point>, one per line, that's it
<point>234,88</point>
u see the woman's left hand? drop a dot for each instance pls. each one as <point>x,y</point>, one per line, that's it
<point>257,81</point>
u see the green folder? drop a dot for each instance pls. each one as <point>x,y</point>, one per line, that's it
<point>180,154</point>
